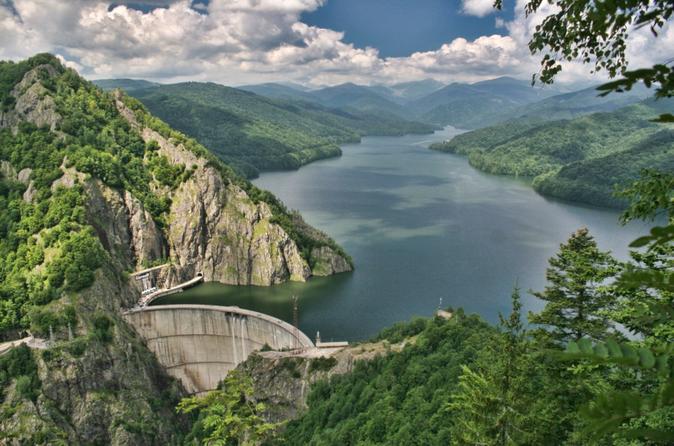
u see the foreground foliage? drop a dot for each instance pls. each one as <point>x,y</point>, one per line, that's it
<point>226,416</point>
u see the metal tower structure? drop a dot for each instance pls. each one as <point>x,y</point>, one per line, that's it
<point>296,321</point>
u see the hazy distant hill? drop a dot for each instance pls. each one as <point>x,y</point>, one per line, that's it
<point>566,156</point>
<point>477,105</point>
<point>254,133</point>
<point>127,85</point>
<point>578,103</point>
<point>361,98</point>
<point>410,91</point>
<point>279,91</point>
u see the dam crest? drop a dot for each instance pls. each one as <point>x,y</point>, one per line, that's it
<point>200,344</point>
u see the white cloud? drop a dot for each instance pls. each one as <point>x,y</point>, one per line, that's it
<point>245,41</point>
<point>479,8</point>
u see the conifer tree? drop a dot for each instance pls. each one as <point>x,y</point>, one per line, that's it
<point>488,408</point>
<point>577,296</point>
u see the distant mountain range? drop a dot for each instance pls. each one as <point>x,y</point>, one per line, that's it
<point>462,105</point>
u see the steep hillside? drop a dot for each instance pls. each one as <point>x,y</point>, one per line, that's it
<point>525,147</point>
<point>403,387</point>
<point>254,133</point>
<point>594,180</point>
<point>93,187</point>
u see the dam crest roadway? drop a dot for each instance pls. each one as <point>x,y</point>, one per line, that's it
<point>200,344</point>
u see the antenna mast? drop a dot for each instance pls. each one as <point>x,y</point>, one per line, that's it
<point>296,321</point>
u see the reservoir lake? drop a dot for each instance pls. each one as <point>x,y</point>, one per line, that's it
<point>420,226</point>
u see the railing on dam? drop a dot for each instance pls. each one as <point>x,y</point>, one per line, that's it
<point>199,344</point>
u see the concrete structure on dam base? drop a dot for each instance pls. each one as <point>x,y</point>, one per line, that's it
<point>199,344</point>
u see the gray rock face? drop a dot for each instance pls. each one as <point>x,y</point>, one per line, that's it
<point>30,192</point>
<point>7,170</point>
<point>32,101</point>
<point>147,240</point>
<point>327,262</point>
<point>216,229</point>
<point>123,225</point>
<point>24,175</point>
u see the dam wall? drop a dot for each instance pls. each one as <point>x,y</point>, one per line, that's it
<point>199,344</point>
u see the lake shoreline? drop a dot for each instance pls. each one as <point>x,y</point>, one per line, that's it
<point>421,226</point>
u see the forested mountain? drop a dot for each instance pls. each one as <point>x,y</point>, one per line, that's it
<point>93,187</point>
<point>462,105</point>
<point>279,91</point>
<point>478,104</point>
<point>400,93</point>
<point>565,156</point>
<point>409,91</point>
<point>578,103</point>
<point>350,96</point>
<point>253,133</point>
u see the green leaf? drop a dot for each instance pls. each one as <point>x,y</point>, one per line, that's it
<point>585,346</point>
<point>630,354</point>
<point>646,358</point>
<point>601,351</point>
<point>662,364</point>
<point>572,347</point>
<point>641,241</point>
<point>614,350</point>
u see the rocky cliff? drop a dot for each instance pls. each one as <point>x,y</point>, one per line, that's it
<point>103,189</point>
<point>282,381</point>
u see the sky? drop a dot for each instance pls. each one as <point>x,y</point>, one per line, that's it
<point>314,42</point>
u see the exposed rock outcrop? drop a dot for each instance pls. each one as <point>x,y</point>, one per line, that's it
<point>283,381</point>
<point>214,228</point>
<point>32,101</point>
<point>327,262</point>
<point>123,225</point>
<point>110,392</point>
<point>7,170</point>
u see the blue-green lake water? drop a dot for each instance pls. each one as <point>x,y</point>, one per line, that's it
<point>420,226</point>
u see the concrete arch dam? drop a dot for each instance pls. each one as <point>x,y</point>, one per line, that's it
<point>199,344</point>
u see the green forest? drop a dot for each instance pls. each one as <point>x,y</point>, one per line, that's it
<point>582,159</point>
<point>564,375</point>
<point>253,133</point>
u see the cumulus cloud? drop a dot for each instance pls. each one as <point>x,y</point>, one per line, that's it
<point>246,41</point>
<point>479,8</point>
